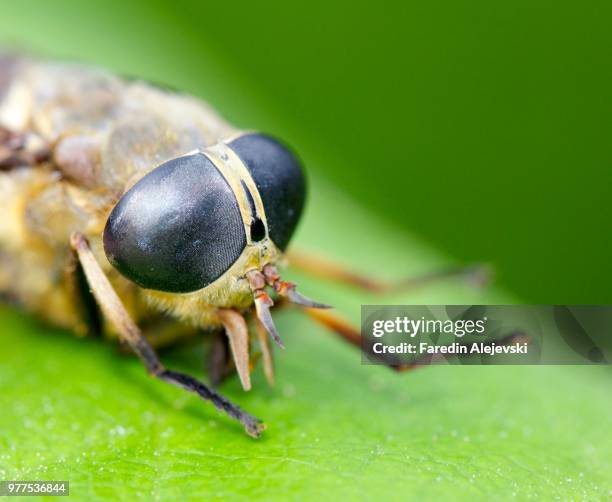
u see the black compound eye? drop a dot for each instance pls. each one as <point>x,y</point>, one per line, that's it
<point>280,181</point>
<point>178,229</point>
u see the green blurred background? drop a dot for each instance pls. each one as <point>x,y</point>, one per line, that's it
<point>482,127</point>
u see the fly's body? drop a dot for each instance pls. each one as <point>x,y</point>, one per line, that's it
<point>104,134</point>
<point>141,214</point>
<point>174,220</point>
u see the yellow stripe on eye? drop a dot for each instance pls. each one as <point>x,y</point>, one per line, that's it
<point>238,177</point>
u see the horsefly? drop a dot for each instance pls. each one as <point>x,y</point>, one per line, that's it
<point>141,214</point>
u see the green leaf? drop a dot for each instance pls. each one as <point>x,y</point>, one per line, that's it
<point>75,409</point>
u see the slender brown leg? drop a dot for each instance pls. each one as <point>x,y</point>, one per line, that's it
<point>89,315</point>
<point>327,269</point>
<point>352,335</point>
<point>336,324</point>
<point>113,309</point>
<point>218,359</point>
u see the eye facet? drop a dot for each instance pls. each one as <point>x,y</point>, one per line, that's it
<point>280,181</point>
<point>177,229</point>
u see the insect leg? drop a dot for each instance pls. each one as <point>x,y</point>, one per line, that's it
<point>326,269</point>
<point>89,316</point>
<point>219,364</point>
<point>114,310</point>
<point>352,335</point>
